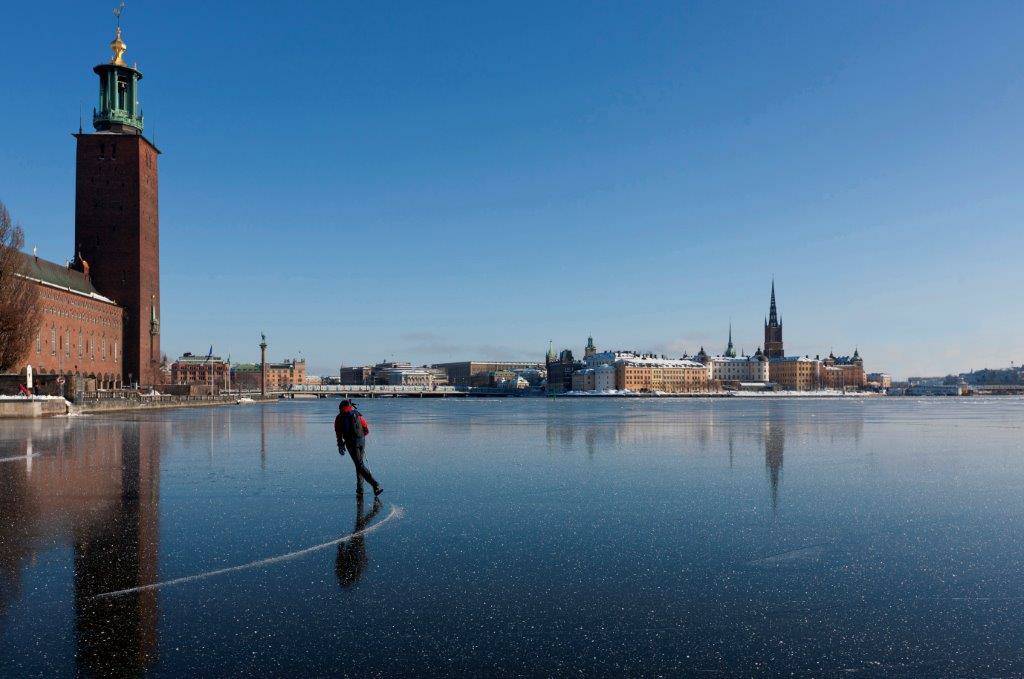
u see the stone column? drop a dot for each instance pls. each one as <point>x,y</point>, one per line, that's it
<point>263,367</point>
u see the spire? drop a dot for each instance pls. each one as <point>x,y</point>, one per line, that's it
<point>773,312</point>
<point>730,351</point>
<point>551,352</point>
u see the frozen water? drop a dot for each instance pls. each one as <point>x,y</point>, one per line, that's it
<point>542,537</point>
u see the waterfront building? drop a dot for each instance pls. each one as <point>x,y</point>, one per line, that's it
<point>653,374</point>
<point>773,330</point>
<point>726,369</point>
<point>410,377</point>
<point>796,373</point>
<point>609,357</point>
<point>355,374</point>
<point>281,375</point>
<point>841,372</point>
<point>880,380</point>
<point>80,331</point>
<point>560,372</point>
<point>101,313</point>
<point>460,372</point>
<point>207,370</point>
<point>584,380</point>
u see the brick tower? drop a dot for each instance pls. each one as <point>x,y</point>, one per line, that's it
<point>773,330</point>
<point>117,226</point>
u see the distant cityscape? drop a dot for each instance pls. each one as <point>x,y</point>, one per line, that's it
<point>610,372</point>
<point>605,372</point>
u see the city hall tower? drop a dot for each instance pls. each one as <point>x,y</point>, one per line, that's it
<point>117,228</point>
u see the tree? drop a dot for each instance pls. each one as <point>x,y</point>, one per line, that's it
<point>20,314</point>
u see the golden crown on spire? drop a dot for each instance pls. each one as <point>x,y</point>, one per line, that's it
<point>118,47</point>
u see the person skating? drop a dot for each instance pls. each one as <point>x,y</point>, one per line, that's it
<point>351,430</point>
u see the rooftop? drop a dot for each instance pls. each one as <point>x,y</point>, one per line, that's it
<point>60,276</point>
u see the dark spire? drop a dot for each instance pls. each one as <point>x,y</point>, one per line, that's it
<point>773,312</point>
<point>730,351</point>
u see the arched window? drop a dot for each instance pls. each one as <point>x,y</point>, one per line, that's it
<point>53,339</point>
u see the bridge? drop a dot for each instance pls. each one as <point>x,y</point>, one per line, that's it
<point>369,391</point>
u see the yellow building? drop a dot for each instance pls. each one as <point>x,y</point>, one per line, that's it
<point>796,373</point>
<point>648,374</point>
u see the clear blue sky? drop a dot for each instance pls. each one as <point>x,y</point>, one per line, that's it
<point>369,181</point>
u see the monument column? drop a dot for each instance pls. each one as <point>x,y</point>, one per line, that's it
<point>263,365</point>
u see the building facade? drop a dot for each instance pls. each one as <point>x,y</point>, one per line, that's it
<point>80,332</point>
<point>843,372</point>
<point>204,370</point>
<point>796,373</point>
<point>280,376</point>
<point>734,369</point>
<point>560,371</point>
<point>460,372</point>
<point>649,374</point>
<point>361,374</point>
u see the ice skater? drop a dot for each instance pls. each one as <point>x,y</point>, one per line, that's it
<point>351,430</point>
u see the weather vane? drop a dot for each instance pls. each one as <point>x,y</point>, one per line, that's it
<point>118,11</point>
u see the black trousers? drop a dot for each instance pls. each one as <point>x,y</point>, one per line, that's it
<point>358,452</point>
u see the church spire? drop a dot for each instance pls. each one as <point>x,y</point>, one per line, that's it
<point>773,312</point>
<point>730,350</point>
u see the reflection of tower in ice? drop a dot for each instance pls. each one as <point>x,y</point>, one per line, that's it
<point>774,448</point>
<point>95,487</point>
<point>119,550</point>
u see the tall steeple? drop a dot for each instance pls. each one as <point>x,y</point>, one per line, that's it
<point>773,330</point>
<point>730,351</point>
<point>590,349</point>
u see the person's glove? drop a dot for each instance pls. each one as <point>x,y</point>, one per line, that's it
<point>341,449</point>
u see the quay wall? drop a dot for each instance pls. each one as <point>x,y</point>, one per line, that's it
<point>30,408</point>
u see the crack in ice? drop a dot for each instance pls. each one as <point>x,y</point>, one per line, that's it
<point>395,513</point>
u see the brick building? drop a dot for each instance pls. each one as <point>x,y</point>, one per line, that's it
<point>203,370</point>
<point>282,375</point>
<point>108,300</point>
<point>81,330</point>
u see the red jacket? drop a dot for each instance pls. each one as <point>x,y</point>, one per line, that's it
<point>349,436</point>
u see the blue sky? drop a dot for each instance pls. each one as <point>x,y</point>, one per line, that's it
<point>369,181</point>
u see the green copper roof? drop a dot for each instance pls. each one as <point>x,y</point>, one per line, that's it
<point>60,276</point>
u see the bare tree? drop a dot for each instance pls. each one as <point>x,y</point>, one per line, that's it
<point>20,313</point>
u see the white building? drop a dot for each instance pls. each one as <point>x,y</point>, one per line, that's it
<point>736,368</point>
<point>604,377</point>
<point>408,377</point>
<point>608,357</point>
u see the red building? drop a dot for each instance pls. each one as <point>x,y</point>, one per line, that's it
<point>107,304</point>
<point>81,330</point>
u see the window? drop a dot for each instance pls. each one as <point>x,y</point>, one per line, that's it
<point>67,344</point>
<point>115,351</point>
<point>53,340</point>
<point>80,344</point>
